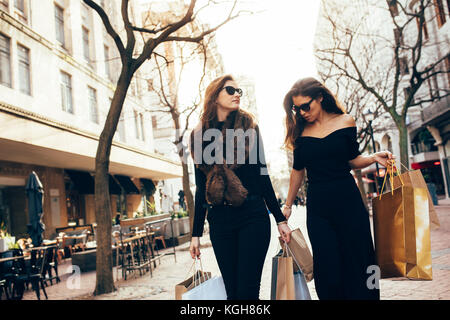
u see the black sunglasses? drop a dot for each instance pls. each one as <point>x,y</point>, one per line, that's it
<point>231,90</point>
<point>305,107</point>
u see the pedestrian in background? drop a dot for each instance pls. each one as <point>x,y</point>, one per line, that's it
<point>234,194</point>
<point>323,139</point>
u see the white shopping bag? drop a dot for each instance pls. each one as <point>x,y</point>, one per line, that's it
<point>301,288</point>
<point>211,289</point>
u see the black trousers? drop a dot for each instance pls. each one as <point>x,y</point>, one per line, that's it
<point>240,238</point>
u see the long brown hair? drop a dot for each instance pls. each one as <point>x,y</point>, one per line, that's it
<point>307,87</point>
<point>208,118</point>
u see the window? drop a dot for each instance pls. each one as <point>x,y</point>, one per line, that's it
<point>406,92</point>
<point>93,110</point>
<point>66,92</point>
<point>24,69</point>
<point>59,25</point>
<point>20,10</point>
<point>403,66</point>
<point>141,118</point>
<point>424,27</point>
<point>86,44</point>
<point>5,61</point>
<point>398,37</point>
<point>393,7</point>
<point>440,13</point>
<point>107,68</point>
<point>4,5</point>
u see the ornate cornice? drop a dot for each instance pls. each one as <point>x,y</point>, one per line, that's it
<point>32,116</point>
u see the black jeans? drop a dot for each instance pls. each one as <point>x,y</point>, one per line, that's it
<point>240,238</point>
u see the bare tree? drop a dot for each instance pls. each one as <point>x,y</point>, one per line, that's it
<point>383,64</point>
<point>161,32</point>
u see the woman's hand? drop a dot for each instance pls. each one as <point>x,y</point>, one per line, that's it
<point>383,158</point>
<point>287,212</point>
<point>194,249</point>
<point>285,232</point>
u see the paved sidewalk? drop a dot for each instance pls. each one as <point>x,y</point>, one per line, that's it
<point>168,273</point>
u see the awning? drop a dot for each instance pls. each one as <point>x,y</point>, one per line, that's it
<point>114,188</point>
<point>83,181</point>
<point>149,186</point>
<point>127,184</point>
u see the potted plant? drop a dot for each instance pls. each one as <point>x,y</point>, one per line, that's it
<point>6,240</point>
<point>183,221</point>
<point>176,226</point>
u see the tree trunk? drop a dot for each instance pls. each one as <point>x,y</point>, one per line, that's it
<point>184,161</point>
<point>361,188</point>
<point>403,143</point>
<point>104,267</point>
<point>188,195</point>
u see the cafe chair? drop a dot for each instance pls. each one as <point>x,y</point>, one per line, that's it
<point>3,289</point>
<point>35,274</point>
<point>52,265</point>
<point>10,271</point>
<point>159,234</point>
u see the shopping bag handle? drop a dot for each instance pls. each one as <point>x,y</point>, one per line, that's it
<point>290,254</point>
<point>390,172</point>
<point>202,273</point>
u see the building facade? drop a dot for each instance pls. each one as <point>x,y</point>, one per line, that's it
<point>58,72</point>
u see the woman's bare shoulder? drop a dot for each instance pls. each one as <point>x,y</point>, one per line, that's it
<point>346,120</point>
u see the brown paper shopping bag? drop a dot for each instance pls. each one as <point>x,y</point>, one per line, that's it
<point>301,253</point>
<point>415,179</point>
<point>402,232</point>
<point>285,278</point>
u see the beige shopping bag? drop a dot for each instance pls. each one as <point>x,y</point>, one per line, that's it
<point>415,179</point>
<point>301,253</point>
<point>402,232</point>
<point>285,278</point>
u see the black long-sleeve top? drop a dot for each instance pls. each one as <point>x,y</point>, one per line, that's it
<point>254,177</point>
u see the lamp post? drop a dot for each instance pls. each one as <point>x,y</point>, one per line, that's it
<point>369,115</point>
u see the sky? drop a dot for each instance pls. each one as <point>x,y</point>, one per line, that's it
<point>275,48</point>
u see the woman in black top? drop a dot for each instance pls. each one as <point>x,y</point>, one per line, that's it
<point>234,187</point>
<point>324,141</point>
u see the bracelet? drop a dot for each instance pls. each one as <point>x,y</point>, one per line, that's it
<point>289,207</point>
<point>282,222</point>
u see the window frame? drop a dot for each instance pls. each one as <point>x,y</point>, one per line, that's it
<point>6,53</point>
<point>68,89</point>
<point>27,65</point>
<point>60,25</point>
<point>93,105</point>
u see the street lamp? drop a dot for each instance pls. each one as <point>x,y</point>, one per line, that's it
<point>369,116</point>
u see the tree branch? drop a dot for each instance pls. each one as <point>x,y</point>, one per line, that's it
<point>109,28</point>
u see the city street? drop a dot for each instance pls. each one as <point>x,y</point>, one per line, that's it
<point>168,273</point>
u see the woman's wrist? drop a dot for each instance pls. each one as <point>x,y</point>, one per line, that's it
<point>282,222</point>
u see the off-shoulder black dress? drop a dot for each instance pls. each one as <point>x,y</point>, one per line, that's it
<point>337,220</point>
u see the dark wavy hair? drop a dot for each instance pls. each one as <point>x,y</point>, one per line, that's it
<point>208,116</point>
<point>307,87</point>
